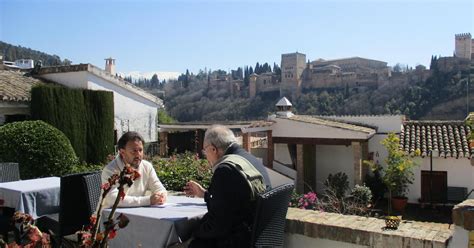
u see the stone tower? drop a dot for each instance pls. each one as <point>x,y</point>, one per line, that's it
<point>110,65</point>
<point>253,85</point>
<point>292,67</point>
<point>463,45</point>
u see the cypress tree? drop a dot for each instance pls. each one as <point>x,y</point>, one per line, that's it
<point>100,125</point>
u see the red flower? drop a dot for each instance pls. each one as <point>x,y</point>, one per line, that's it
<point>34,234</point>
<point>112,233</point>
<point>136,175</point>
<point>93,219</point>
<point>105,186</point>
<point>122,194</point>
<point>123,220</point>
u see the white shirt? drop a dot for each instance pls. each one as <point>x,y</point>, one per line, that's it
<point>135,195</point>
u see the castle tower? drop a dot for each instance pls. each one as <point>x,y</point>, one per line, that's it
<point>253,85</point>
<point>292,67</point>
<point>463,45</point>
<point>110,65</point>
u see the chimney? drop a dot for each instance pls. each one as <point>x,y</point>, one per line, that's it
<point>284,108</point>
<point>110,65</point>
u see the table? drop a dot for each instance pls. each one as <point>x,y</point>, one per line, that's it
<point>35,197</point>
<point>159,226</point>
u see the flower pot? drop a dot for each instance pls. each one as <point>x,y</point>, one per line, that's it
<point>399,203</point>
<point>392,222</point>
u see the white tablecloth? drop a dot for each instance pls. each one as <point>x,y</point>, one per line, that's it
<point>36,197</point>
<point>159,226</point>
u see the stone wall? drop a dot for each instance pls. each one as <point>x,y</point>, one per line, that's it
<point>463,219</point>
<point>305,228</point>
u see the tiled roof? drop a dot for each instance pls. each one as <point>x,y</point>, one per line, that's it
<point>332,123</point>
<point>445,138</point>
<point>15,86</point>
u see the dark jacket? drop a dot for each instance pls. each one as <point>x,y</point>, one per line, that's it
<point>238,150</point>
<point>230,212</point>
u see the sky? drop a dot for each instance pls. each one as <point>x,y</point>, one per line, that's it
<point>172,36</point>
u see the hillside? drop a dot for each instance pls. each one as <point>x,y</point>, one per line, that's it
<point>12,53</point>
<point>441,96</point>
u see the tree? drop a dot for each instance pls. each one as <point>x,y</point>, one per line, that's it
<point>399,172</point>
<point>164,117</point>
<point>154,82</point>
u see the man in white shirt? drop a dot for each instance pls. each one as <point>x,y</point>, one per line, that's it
<point>130,147</point>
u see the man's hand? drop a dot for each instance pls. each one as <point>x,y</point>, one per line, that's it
<point>193,188</point>
<point>158,198</point>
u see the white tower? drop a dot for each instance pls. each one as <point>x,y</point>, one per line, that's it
<point>284,108</point>
<point>110,65</point>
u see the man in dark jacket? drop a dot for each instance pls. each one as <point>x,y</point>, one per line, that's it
<point>238,150</point>
<point>229,196</point>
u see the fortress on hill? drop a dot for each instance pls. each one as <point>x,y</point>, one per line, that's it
<point>299,75</point>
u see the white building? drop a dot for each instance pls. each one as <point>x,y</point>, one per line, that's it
<point>134,108</point>
<point>309,148</point>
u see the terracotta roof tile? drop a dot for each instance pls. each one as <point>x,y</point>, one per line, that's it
<point>15,86</point>
<point>449,138</point>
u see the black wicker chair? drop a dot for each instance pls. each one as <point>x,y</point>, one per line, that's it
<point>270,217</point>
<point>74,209</point>
<point>9,172</point>
<point>92,184</point>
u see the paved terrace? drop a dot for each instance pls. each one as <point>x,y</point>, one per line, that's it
<point>358,231</point>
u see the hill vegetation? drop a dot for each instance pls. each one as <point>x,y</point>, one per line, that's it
<point>442,96</point>
<point>12,53</point>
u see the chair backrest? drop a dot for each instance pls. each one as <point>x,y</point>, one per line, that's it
<point>92,184</point>
<point>9,172</point>
<point>74,208</point>
<point>270,217</point>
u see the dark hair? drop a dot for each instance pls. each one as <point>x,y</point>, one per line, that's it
<point>129,136</point>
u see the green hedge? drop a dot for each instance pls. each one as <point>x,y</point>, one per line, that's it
<point>41,149</point>
<point>63,108</point>
<point>177,170</point>
<point>86,117</point>
<point>100,125</point>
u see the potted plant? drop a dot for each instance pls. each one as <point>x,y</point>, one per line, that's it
<point>470,124</point>
<point>398,174</point>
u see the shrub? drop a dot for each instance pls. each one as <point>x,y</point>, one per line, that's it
<point>337,184</point>
<point>304,201</point>
<point>375,181</point>
<point>361,194</point>
<point>179,169</point>
<point>84,167</point>
<point>40,149</point>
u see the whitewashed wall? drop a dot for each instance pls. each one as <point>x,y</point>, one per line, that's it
<point>77,79</point>
<point>301,241</point>
<point>460,174</point>
<point>282,154</point>
<point>331,159</point>
<point>132,112</point>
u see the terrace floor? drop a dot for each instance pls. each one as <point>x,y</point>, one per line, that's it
<point>425,213</point>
